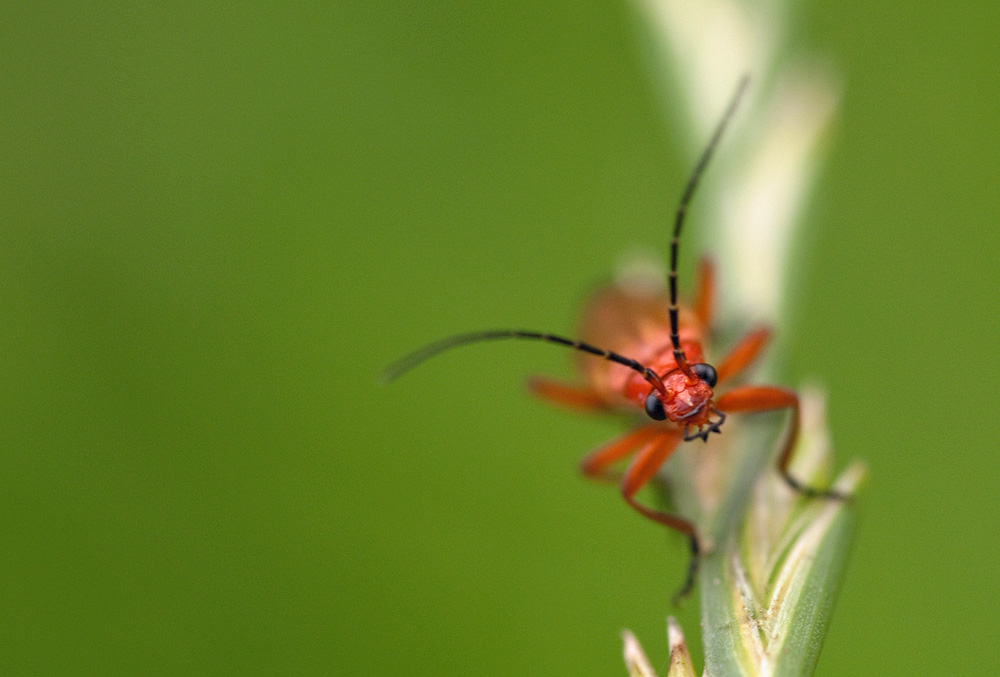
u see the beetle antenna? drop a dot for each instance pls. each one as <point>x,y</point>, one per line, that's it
<point>679,357</point>
<point>407,363</point>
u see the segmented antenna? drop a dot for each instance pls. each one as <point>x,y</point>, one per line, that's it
<point>679,357</point>
<point>407,363</point>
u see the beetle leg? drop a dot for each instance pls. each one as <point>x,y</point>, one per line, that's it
<point>647,462</point>
<point>743,353</point>
<point>704,297</point>
<point>564,395</point>
<point>595,465</point>
<point>753,399</point>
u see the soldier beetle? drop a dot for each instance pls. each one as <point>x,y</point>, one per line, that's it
<point>644,352</point>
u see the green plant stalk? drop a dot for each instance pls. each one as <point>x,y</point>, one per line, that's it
<point>765,608</point>
<point>775,559</point>
<point>772,559</point>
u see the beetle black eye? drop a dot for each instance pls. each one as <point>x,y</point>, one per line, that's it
<point>706,373</point>
<point>654,407</point>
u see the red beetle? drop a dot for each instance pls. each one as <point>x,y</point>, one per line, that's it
<point>652,360</point>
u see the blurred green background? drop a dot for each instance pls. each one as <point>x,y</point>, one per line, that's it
<point>218,222</point>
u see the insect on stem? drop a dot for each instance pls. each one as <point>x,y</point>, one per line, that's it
<point>678,397</point>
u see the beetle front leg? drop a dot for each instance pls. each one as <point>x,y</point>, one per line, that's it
<point>754,399</point>
<point>647,462</point>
